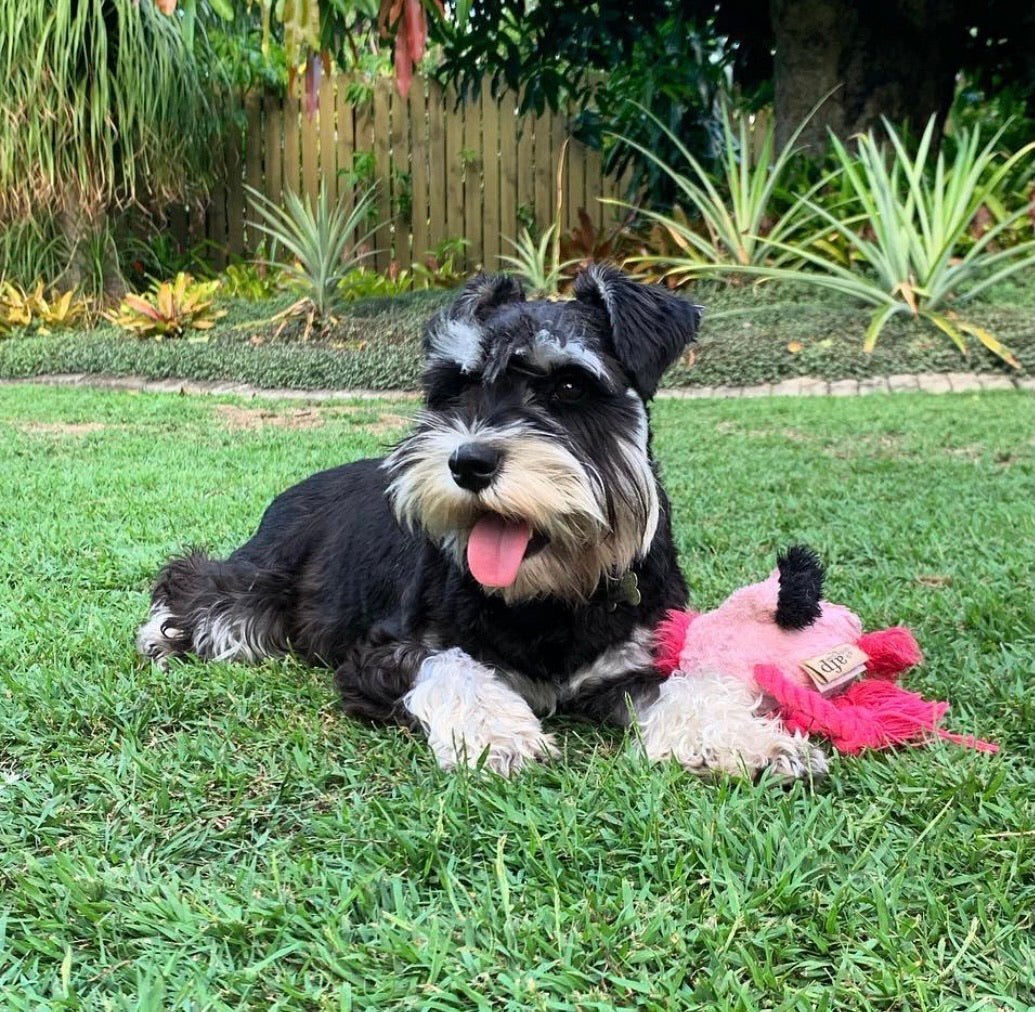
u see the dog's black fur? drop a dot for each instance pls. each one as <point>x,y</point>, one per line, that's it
<point>335,576</point>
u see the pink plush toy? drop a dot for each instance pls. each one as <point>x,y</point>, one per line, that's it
<point>804,657</point>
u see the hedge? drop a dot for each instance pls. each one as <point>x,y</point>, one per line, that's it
<point>749,336</point>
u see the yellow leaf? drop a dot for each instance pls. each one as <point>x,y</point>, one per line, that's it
<point>991,342</point>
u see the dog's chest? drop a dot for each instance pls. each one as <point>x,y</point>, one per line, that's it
<point>562,652</point>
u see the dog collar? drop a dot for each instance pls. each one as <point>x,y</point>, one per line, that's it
<point>625,591</point>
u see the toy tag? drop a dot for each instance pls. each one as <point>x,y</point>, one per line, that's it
<point>836,668</point>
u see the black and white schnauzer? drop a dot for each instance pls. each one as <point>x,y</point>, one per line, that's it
<point>507,561</point>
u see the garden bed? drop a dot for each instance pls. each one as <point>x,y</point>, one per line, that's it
<point>750,335</point>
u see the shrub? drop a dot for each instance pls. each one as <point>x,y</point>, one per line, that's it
<point>323,243</point>
<point>170,309</point>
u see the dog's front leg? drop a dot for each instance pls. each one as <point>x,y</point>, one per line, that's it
<point>709,724</point>
<point>467,711</point>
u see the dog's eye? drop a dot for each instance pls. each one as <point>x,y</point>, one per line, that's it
<point>569,390</point>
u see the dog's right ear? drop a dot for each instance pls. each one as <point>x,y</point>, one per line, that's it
<point>455,334</point>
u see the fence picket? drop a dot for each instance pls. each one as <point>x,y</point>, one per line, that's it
<point>478,171</point>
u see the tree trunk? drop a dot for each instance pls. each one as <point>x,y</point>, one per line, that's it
<point>892,58</point>
<point>93,262</point>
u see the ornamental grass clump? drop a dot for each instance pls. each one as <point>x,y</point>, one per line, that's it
<point>735,219</point>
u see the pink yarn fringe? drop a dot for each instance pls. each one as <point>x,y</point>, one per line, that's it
<point>669,637</point>
<point>890,651</point>
<point>873,713</point>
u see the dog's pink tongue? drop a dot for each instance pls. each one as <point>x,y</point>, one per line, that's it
<point>495,550</point>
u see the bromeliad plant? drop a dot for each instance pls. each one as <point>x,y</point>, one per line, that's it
<point>170,309</point>
<point>913,232</point>
<point>35,309</point>
<point>323,244</point>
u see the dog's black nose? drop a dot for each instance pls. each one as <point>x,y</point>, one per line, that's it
<point>474,465</point>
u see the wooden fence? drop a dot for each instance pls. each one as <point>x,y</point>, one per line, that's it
<point>477,171</point>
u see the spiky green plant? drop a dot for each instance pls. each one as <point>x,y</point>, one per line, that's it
<point>104,104</point>
<point>913,226</point>
<point>735,218</point>
<point>903,232</point>
<point>324,243</point>
<point>538,264</point>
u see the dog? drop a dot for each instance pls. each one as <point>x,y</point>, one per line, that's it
<point>508,560</point>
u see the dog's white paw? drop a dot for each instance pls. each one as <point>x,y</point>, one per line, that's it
<point>505,754</point>
<point>708,724</point>
<point>797,759</point>
<point>468,712</point>
<point>157,638</point>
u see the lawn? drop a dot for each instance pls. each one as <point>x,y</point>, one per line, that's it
<point>221,837</point>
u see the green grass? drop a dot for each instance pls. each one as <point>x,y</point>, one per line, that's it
<point>751,334</point>
<point>221,837</point>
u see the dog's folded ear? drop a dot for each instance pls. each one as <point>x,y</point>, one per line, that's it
<point>484,293</point>
<point>650,326</point>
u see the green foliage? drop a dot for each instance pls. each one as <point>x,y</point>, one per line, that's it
<point>440,267</point>
<point>361,283</point>
<point>538,264</point>
<point>324,244</point>
<point>251,281</point>
<point>170,309</point>
<point>681,71</point>
<point>148,253</point>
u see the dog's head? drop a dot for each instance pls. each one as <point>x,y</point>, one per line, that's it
<point>532,461</point>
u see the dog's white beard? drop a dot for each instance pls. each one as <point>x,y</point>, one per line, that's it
<point>543,483</point>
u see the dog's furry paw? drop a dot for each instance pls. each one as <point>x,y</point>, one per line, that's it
<point>506,754</point>
<point>796,759</point>
<point>158,638</point>
<point>468,712</point>
<point>708,724</point>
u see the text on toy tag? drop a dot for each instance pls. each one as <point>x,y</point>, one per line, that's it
<point>836,668</point>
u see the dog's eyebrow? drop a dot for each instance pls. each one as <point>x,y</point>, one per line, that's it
<point>547,352</point>
<point>458,342</point>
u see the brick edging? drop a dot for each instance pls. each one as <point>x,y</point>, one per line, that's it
<point>803,386</point>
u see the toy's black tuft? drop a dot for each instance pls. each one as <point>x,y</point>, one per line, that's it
<point>801,587</point>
